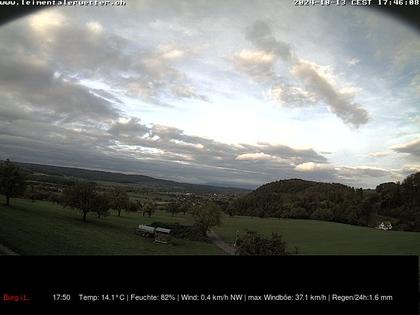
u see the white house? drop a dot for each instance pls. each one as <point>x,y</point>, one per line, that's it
<point>384,226</point>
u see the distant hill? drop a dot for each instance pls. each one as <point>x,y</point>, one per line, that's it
<point>65,175</point>
<point>301,199</point>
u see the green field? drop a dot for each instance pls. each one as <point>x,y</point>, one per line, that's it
<point>45,228</point>
<point>326,238</point>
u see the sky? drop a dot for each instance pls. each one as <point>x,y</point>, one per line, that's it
<point>234,92</point>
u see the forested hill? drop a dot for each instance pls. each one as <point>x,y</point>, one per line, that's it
<point>301,199</point>
<point>66,175</point>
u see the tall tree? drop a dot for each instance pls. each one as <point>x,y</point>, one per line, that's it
<point>82,196</point>
<point>12,181</point>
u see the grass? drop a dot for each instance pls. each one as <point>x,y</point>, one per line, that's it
<point>152,195</point>
<point>44,228</point>
<point>326,238</point>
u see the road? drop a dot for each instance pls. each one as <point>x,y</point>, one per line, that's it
<point>5,251</point>
<point>228,249</point>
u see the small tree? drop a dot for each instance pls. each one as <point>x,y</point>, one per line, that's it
<point>30,193</point>
<point>254,244</point>
<point>207,215</point>
<point>186,206</point>
<point>81,196</point>
<point>230,209</point>
<point>173,207</point>
<point>119,200</point>
<point>139,205</point>
<point>101,203</point>
<point>149,207</point>
<point>12,181</point>
<point>134,206</point>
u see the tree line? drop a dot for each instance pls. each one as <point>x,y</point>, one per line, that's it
<point>300,199</point>
<point>294,198</point>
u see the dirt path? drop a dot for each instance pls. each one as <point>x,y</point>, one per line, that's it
<point>228,249</point>
<point>5,251</point>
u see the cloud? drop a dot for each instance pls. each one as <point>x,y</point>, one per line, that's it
<point>46,20</point>
<point>81,51</point>
<point>187,91</point>
<point>412,148</point>
<point>317,83</point>
<point>260,34</point>
<point>406,53</point>
<point>257,64</point>
<point>254,157</point>
<point>95,27</point>
<point>33,87</point>
<point>311,167</point>
<point>173,54</point>
<point>406,170</point>
<point>70,84</point>
<point>343,173</point>
<point>255,57</point>
<point>123,143</point>
<point>128,128</point>
<point>361,171</point>
<point>291,95</point>
<point>352,61</point>
<point>379,154</point>
<point>340,103</point>
<point>415,84</point>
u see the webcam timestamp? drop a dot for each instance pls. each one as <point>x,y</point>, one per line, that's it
<point>356,2</point>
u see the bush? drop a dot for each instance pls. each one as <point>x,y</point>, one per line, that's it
<point>255,244</point>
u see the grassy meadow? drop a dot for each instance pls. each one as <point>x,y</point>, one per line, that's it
<point>326,238</point>
<point>45,228</point>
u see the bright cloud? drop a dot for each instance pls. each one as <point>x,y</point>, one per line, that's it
<point>94,27</point>
<point>253,157</point>
<point>45,21</point>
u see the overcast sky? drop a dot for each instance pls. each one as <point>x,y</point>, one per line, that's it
<point>231,92</point>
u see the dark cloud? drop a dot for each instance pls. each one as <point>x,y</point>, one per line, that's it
<point>261,36</point>
<point>412,148</point>
<point>36,90</point>
<point>132,128</point>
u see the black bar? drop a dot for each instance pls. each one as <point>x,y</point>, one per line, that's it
<point>386,284</point>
